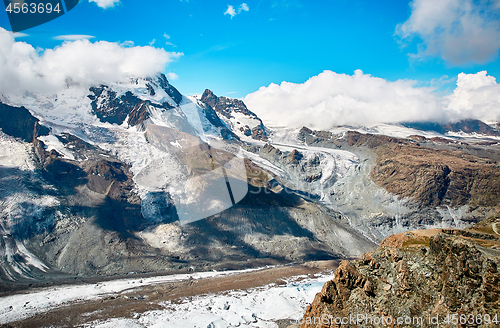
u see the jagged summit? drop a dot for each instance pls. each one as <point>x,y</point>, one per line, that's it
<point>225,106</point>
<point>235,114</point>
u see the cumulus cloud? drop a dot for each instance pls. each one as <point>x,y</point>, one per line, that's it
<point>73,37</point>
<point>232,12</point>
<point>79,62</point>
<point>330,99</point>
<point>459,31</point>
<point>476,96</point>
<point>104,4</point>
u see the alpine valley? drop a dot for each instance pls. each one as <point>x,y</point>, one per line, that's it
<point>134,179</point>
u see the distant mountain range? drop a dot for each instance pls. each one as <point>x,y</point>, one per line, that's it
<point>463,126</point>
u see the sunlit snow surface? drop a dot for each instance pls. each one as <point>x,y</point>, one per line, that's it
<point>256,307</point>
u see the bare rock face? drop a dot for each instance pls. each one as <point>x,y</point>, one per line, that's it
<point>110,107</point>
<point>259,133</point>
<point>227,107</point>
<point>433,177</point>
<point>224,105</point>
<point>438,177</point>
<point>424,278</point>
<point>295,156</point>
<point>19,123</point>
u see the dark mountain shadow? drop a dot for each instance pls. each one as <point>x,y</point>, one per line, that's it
<point>64,175</point>
<point>260,212</point>
<point>263,197</point>
<point>19,123</point>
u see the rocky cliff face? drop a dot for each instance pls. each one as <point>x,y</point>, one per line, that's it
<point>440,277</point>
<point>236,115</point>
<point>19,123</point>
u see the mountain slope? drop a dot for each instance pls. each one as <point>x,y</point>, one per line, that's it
<point>418,279</point>
<point>236,116</point>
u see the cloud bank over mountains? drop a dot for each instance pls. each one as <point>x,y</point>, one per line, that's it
<point>331,99</point>
<point>476,96</point>
<point>324,101</point>
<point>80,62</point>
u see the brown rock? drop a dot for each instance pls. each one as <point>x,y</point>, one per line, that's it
<point>452,274</point>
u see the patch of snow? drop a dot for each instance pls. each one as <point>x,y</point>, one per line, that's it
<point>12,308</point>
<point>191,109</point>
<point>256,307</point>
<point>139,88</point>
<point>176,144</point>
<point>15,154</point>
<point>53,143</point>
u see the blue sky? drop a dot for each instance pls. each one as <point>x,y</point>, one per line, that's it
<point>273,41</point>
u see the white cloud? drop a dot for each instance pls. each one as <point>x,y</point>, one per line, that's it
<point>73,37</point>
<point>243,7</point>
<point>152,42</point>
<point>172,76</point>
<point>23,68</point>
<point>14,34</point>
<point>104,4</point>
<point>19,35</point>
<point>232,12</point>
<point>476,96</point>
<point>168,43</point>
<point>459,31</point>
<point>330,99</point>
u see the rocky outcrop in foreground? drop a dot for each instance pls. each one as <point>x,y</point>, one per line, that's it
<point>427,278</point>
